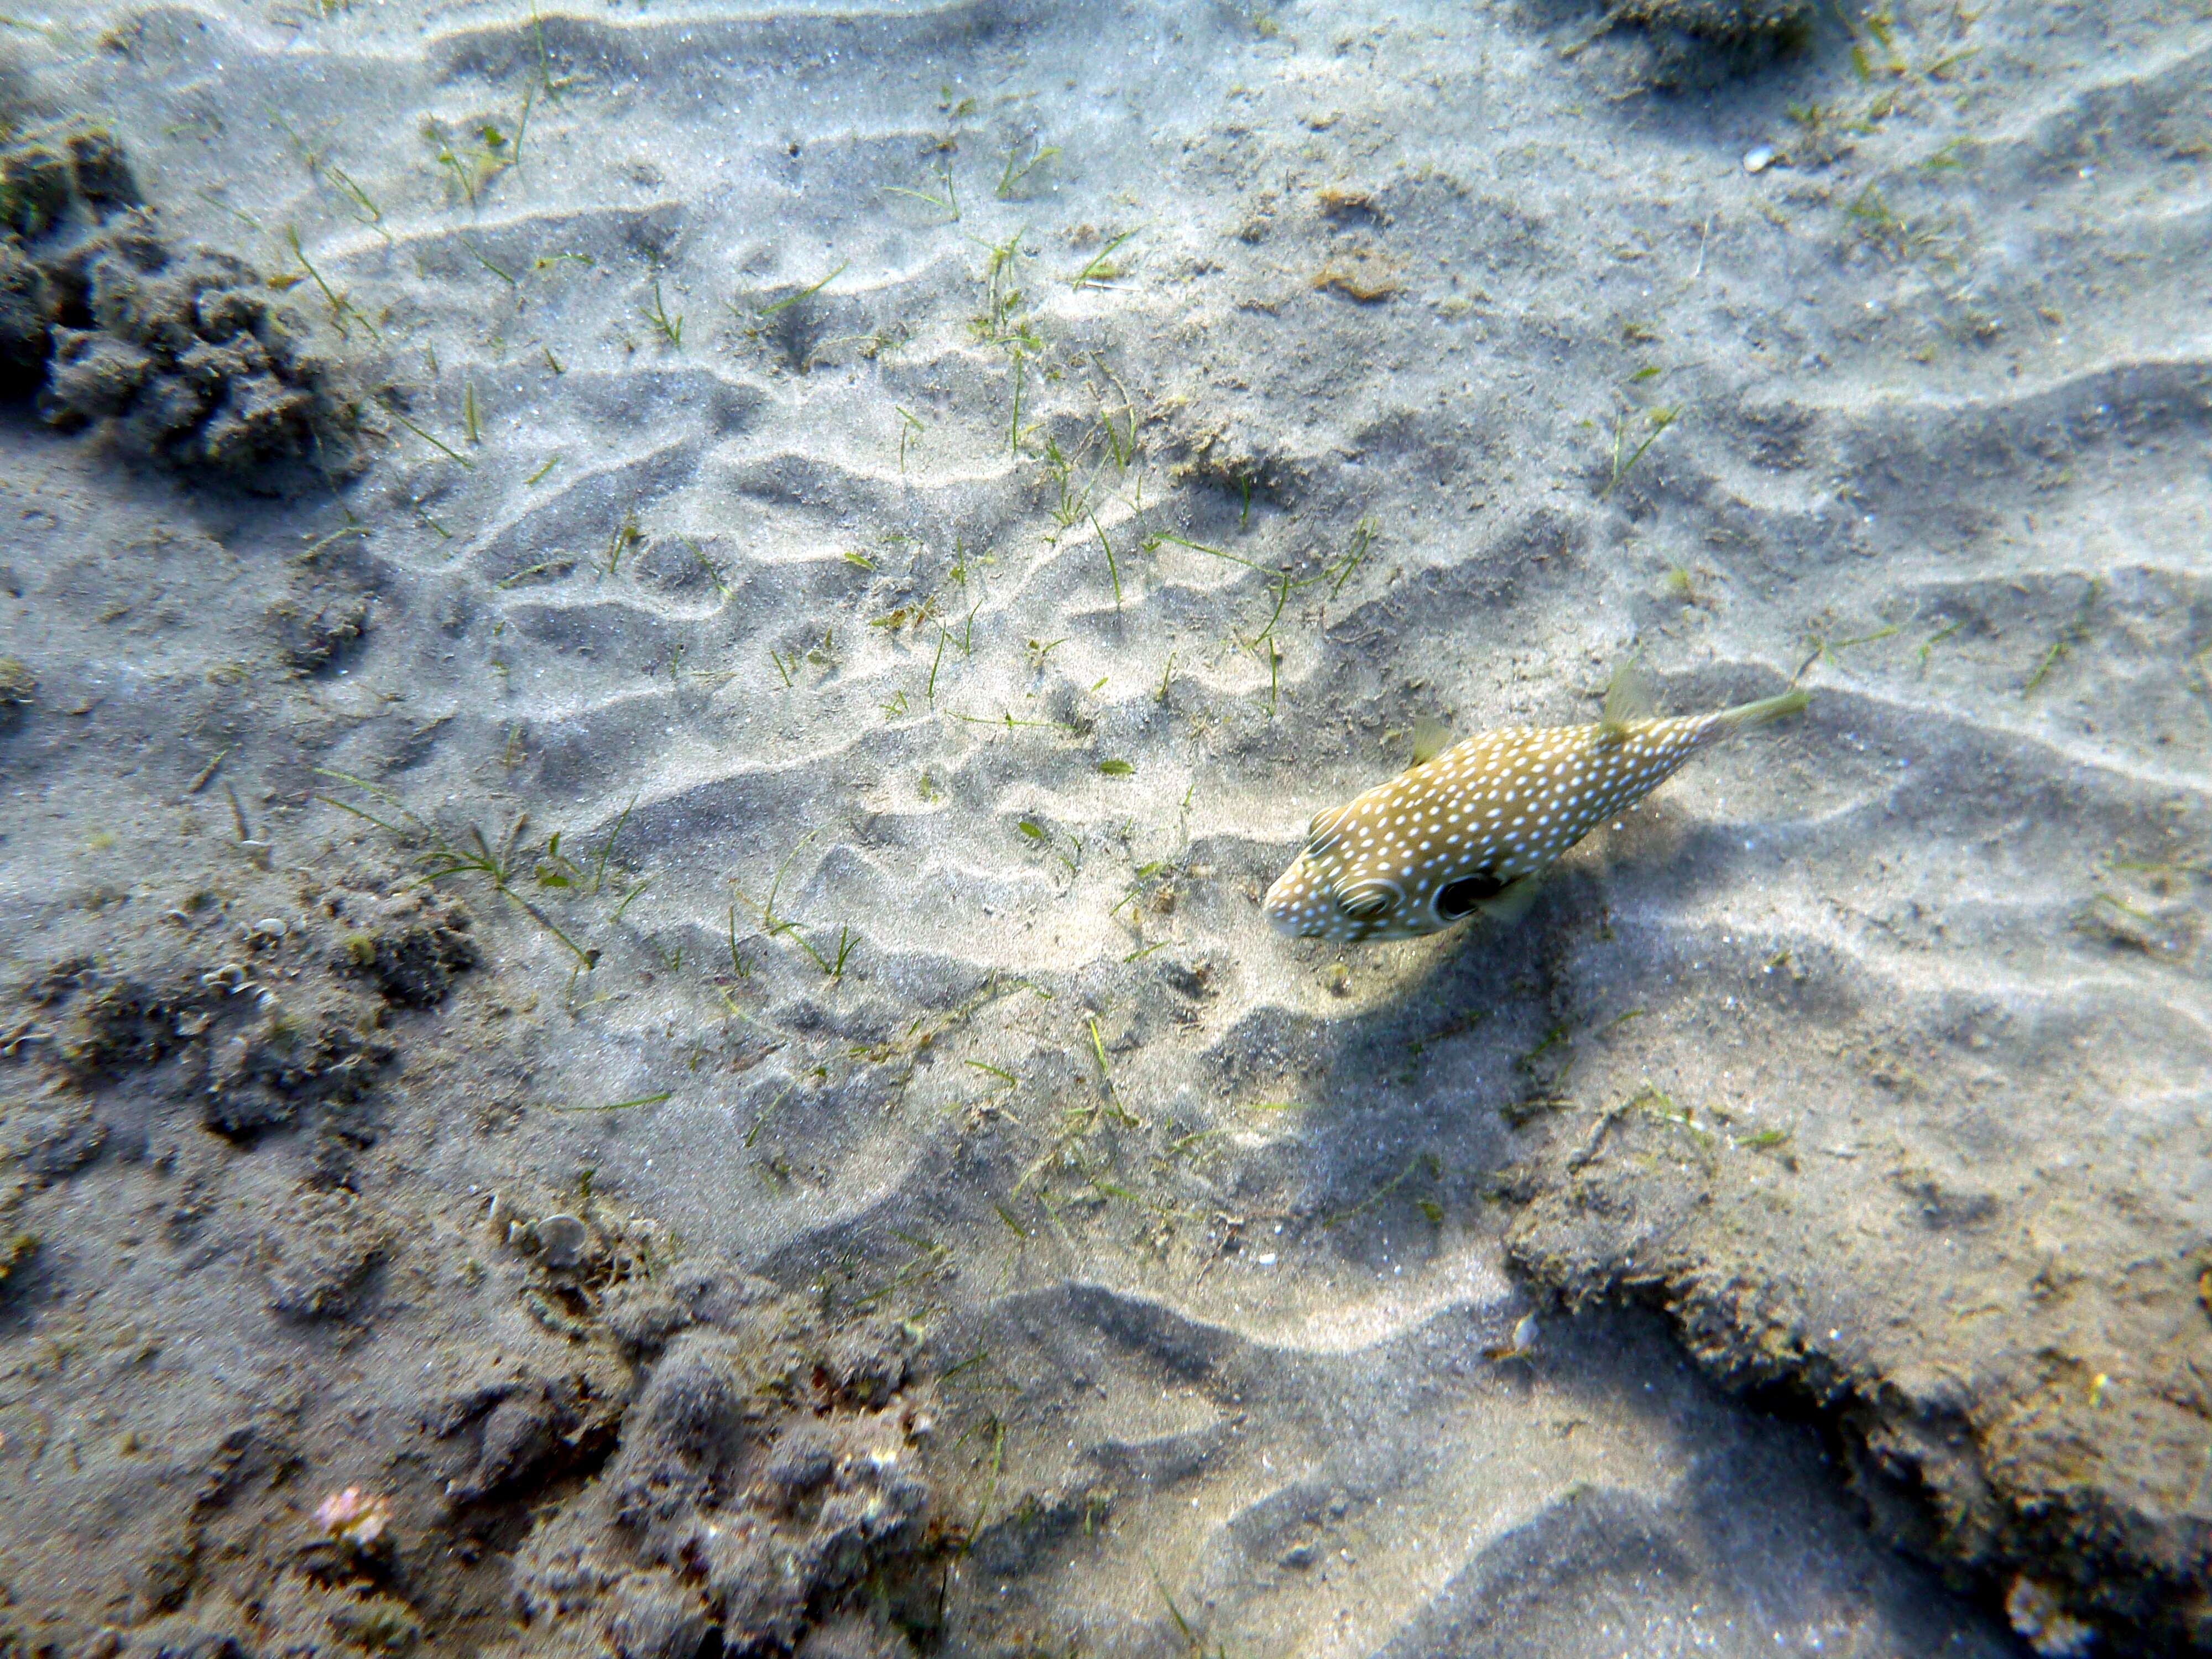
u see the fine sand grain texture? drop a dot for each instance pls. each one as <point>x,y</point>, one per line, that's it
<point>652,658</point>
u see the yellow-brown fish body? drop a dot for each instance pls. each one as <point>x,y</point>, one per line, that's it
<point>1472,828</point>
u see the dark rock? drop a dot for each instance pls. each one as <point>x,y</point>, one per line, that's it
<point>804,1459</point>
<point>125,1024</point>
<point>518,1434</point>
<point>1991,1460</point>
<point>469,1402</point>
<point>695,1404</point>
<point>185,362</point>
<point>92,376</point>
<point>129,244</point>
<point>863,1367</point>
<point>803,1519</point>
<point>751,1590</point>
<point>377,1624</point>
<point>44,175</point>
<point>643,1318</point>
<point>103,176</point>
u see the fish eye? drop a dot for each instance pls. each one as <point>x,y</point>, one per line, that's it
<point>1456,899</point>
<point>1368,901</point>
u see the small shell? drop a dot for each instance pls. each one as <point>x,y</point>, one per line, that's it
<point>1761,157</point>
<point>562,1238</point>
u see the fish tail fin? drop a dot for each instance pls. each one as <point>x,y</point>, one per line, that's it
<point>1747,714</point>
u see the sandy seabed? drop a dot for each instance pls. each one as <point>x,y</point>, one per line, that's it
<point>645,715</point>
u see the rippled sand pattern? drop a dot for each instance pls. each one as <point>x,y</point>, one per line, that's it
<point>927,501</point>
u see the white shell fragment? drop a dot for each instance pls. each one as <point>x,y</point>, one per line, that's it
<point>1759,158</point>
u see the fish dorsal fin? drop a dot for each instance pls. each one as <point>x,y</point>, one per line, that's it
<point>1627,701</point>
<point>1431,737</point>
<point>1322,830</point>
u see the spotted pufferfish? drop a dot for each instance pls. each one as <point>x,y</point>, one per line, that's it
<point>1474,827</point>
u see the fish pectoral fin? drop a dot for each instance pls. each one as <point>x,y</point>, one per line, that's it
<point>1511,904</point>
<point>1431,737</point>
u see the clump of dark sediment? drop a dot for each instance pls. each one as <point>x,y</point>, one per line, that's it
<point>1211,454</point>
<point>313,633</point>
<point>258,1024</point>
<point>767,1494</point>
<point>679,1460</point>
<point>1694,44</point>
<point>19,690</point>
<point>176,356</point>
<point>407,948</point>
<point>616,1449</point>
<point>2039,1443</point>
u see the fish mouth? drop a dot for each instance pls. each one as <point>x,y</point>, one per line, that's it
<point>1282,906</point>
<point>1302,904</point>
